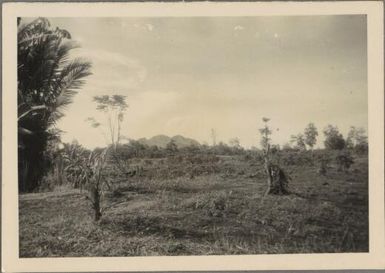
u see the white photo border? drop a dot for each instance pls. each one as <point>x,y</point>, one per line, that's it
<point>375,259</point>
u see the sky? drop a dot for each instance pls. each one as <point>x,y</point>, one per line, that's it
<point>187,75</point>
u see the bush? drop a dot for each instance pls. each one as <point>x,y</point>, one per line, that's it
<point>361,148</point>
<point>296,158</point>
<point>214,204</point>
<point>247,157</point>
<point>344,160</point>
<point>324,165</point>
<point>335,143</point>
<point>87,172</point>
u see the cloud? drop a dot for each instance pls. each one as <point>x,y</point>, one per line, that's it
<point>150,27</point>
<point>145,26</point>
<point>104,56</point>
<point>112,70</point>
<point>239,27</point>
<point>247,68</point>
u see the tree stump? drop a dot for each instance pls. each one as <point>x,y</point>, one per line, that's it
<point>277,180</point>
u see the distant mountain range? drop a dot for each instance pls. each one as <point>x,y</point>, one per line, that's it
<point>163,140</point>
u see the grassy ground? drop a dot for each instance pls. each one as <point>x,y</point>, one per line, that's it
<point>203,208</point>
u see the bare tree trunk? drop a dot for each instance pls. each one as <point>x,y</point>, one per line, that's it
<point>95,198</point>
<point>59,170</point>
<point>268,174</point>
<point>277,180</point>
<point>98,214</point>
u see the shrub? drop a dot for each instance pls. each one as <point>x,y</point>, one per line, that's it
<point>344,160</point>
<point>214,204</point>
<point>247,157</point>
<point>89,173</point>
<point>324,165</point>
<point>361,148</point>
<point>296,158</point>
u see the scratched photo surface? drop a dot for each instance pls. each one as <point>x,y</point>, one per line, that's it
<point>163,136</point>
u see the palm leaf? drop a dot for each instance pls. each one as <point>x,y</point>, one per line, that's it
<point>36,27</point>
<point>70,81</point>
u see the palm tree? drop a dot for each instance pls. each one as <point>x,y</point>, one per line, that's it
<point>47,81</point>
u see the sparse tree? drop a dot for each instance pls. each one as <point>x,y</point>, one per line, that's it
<point>234,142</point>
<point>265,140</point>
<point>356,136</point>
<point>357,140</point>
<point>298,141</point>
<point>214,136</point>
<point>277,180</point>
<point>235,145</point>
<point>333,138</point>
<point>311,134</point>
<point>114,108</point>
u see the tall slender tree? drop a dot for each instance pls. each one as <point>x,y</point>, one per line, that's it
<point>114,108</point>
<point>298,141</point>
<point>277,181</point>
<point>311,134</point>
<point>214,136</point>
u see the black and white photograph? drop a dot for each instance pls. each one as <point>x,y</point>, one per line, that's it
<point>142,136</point>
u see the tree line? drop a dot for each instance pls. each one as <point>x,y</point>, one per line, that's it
<point>356,139</point>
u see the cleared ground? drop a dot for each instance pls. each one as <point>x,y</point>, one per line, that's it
<point>206,206</point>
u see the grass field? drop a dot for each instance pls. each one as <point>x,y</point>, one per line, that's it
<point>208,207</point>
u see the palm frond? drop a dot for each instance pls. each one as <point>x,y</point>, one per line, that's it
<point>63,51</point>
<point>31,110</point>
<point>70,81</point>
<point>39,25</point>
<point>24,131</point>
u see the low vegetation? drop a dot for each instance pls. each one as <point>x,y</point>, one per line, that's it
<point>205,204</point>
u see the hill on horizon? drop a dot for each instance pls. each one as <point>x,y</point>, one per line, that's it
<point>162,141</point>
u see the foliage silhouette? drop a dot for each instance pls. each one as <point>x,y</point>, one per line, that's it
<point>47,81</point>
